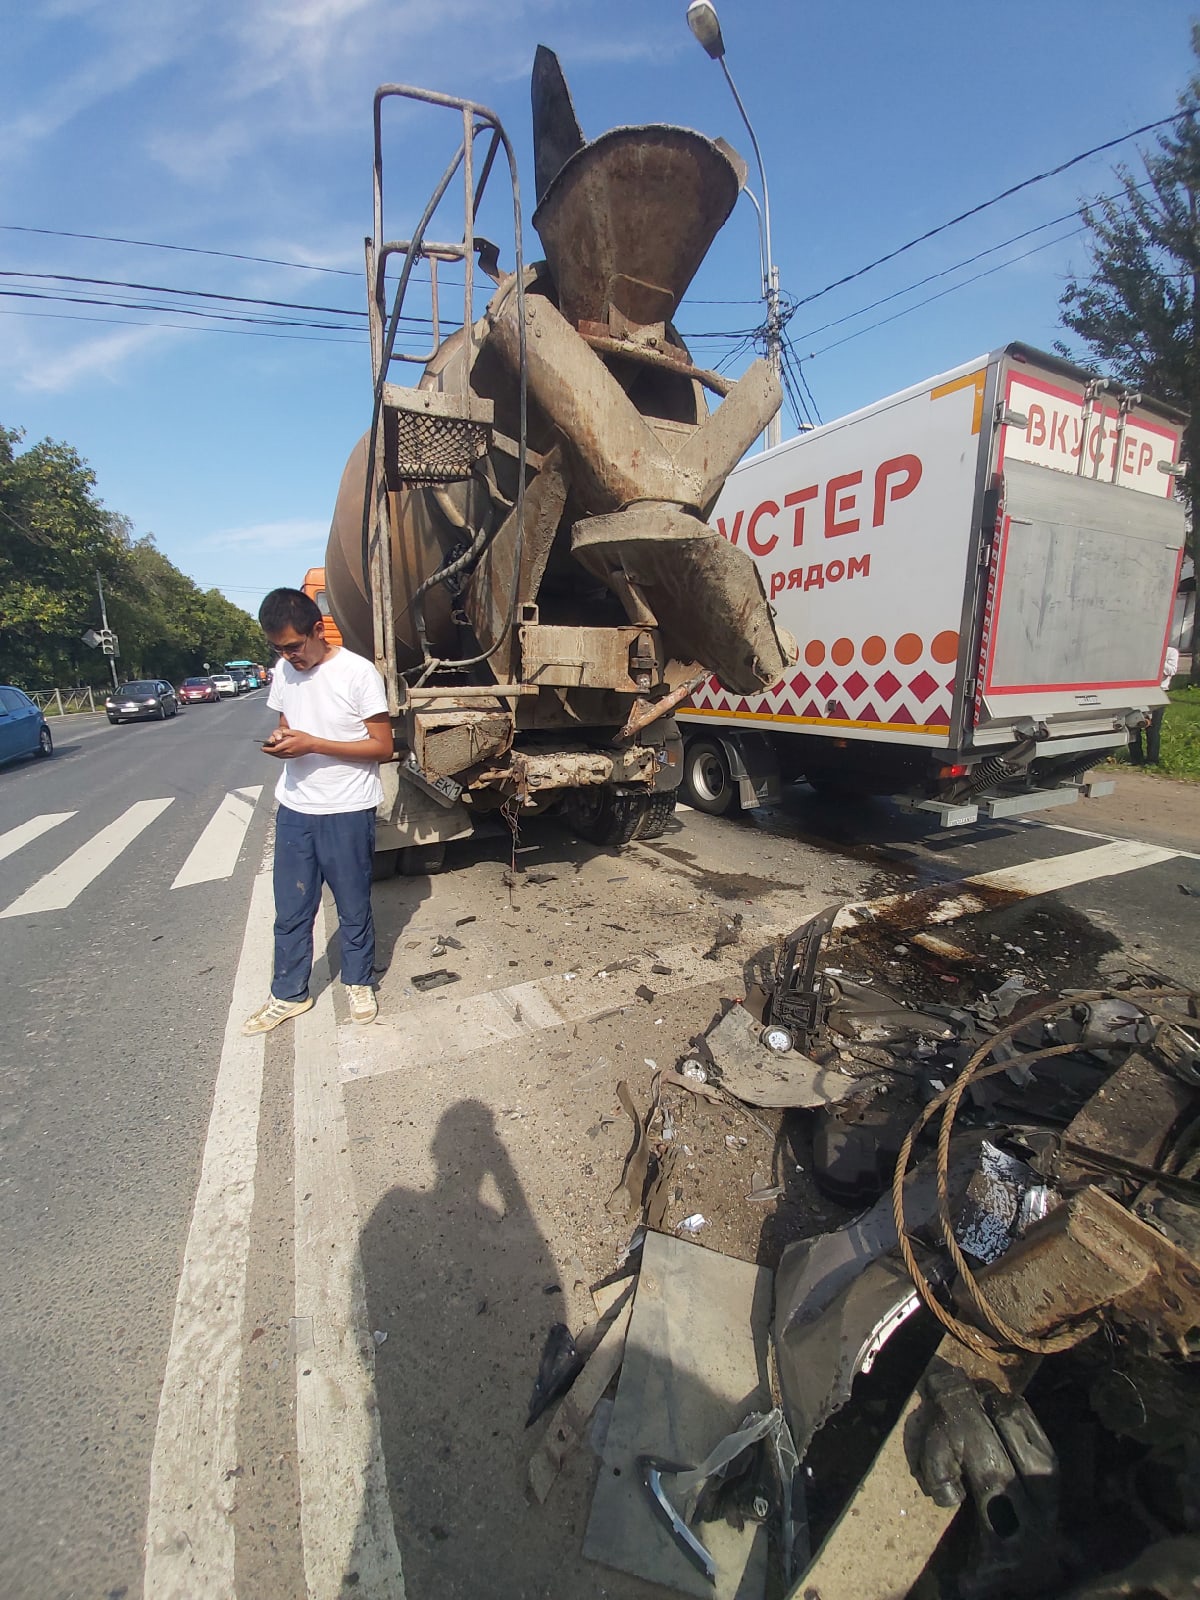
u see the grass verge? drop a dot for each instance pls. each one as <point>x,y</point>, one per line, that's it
<point>1179,754</point>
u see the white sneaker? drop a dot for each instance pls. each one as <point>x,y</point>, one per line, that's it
<point>274,1012</point>
<point>363,1005</point>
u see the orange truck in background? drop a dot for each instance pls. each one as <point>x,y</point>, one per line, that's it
<point>314,588</point>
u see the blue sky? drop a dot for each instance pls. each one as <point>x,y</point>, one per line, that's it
<point>245,126</point>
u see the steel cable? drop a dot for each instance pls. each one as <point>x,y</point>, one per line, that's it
<point>948,1101</point>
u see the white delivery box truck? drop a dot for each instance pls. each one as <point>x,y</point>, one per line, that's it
<point>980,572</point>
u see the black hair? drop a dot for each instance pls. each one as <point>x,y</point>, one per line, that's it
<point>284,608</point>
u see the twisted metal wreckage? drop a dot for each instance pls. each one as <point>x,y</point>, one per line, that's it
<point>1050,1234</point>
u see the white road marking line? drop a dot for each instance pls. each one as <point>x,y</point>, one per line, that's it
<point>59,888</point>
<point>345,1516</point>
<point>448,1026</point>
<point>941,903</point>
<point>1109,838</point>
<point>189,1527</point>
<point>25,832</point>
<point>1063,872</point>
<point>215,853</point>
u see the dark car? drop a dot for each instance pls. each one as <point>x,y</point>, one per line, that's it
<point>241,680</point>
<point>196,691</point>
<point>23,730</point>
<point>140,700</point>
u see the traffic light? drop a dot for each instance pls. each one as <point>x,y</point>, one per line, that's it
<point>108,642</point>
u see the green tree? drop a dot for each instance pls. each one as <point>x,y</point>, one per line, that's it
<point>55,535</point>
<point>1139,309</point>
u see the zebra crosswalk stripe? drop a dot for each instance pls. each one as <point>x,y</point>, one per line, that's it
<point>215,853</point>
<point>25,832</point>
<point>56,890</point>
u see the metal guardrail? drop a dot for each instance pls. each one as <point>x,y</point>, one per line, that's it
<point>62,702</point>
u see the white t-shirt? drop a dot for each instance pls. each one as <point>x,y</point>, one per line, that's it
<point>330,701</point>
<point>1170,666</point>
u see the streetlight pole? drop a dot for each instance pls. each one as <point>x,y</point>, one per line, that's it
<point>703,21</point>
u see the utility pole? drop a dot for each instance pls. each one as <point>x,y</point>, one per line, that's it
<point>106,634</point>
<point>702,20</point>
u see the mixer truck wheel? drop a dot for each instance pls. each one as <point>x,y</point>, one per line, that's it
<point>602,816</point>
<point>384,864</point>
<point>656,816</point>
<point>422,860</point>
<point>707,783</point>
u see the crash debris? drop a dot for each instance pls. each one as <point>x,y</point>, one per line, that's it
<point>989,1377</point>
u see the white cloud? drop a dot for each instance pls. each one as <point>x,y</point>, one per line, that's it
<point>291,535</point>
<point>103,356</point>
<point>203,156</point>
<point>132,42</point>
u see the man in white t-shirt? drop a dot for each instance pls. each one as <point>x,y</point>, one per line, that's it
<point>333,732</point>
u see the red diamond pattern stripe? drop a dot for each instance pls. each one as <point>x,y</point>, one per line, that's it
<point>923,686</point>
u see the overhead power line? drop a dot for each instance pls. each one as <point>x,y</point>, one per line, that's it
<point>942,293</point>
<point>178,311</point>
<point>739,340</point>
<point>185,249</point>
<point>246,333</point>
<point>193,294</point>
<point>973,211</point>
<point>803,381</point>
<point>227,255</point>
<point>967,261</point>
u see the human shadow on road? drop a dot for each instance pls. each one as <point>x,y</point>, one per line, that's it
<point>461,1277</point>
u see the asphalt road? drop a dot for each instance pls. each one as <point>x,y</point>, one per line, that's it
<point>203,1240</point>
<point>114,1011</point>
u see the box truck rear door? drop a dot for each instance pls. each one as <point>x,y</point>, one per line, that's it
<point>1081,588</point>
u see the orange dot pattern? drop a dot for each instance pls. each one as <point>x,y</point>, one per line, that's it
<point>945,647</point>
<point>907,649</point>
<point>873,650</point>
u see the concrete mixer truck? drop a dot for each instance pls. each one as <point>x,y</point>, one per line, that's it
<point>520,538</point>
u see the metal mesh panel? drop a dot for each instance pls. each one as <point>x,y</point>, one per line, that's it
<point>421,448</point>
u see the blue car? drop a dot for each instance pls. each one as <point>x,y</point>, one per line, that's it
<point>23,730</point>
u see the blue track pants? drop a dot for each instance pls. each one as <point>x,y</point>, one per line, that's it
<point>310,852</point>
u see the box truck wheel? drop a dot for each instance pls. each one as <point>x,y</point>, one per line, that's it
<point>707,784</point>
<point>602,816</point>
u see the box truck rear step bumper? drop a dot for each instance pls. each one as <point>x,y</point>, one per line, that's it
<point>955,814</point>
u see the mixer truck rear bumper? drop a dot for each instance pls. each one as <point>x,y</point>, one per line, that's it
<point>421,807</point>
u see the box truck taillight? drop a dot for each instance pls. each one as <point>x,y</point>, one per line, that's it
<point>958,770</point>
